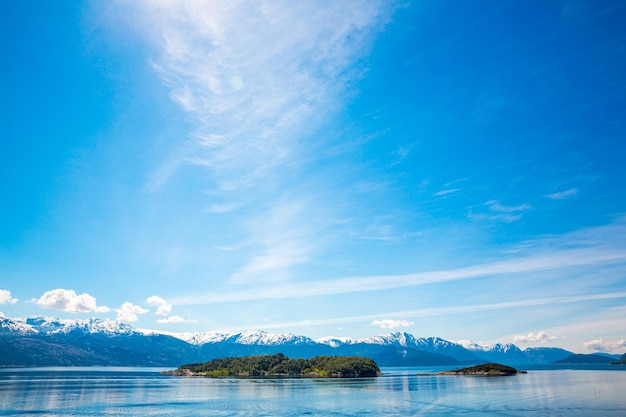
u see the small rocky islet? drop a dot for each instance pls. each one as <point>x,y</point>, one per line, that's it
<point>486,369</point>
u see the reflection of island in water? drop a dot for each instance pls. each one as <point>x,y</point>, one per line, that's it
<point>487,369</point>
<point>280,365</point>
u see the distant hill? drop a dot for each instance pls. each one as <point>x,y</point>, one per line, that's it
<point>45,341</point>
<point>621,361</point>
<point>545,355</point>
<point>580,358</point>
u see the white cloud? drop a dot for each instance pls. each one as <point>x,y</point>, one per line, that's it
<point>164,308</point>
<point>538,337</point>
<point>391,324</point>
<point>70,302</point>
<point>156,300</point>
<point>175,319</point>
<point>6,298</point>
<point>599,345</point>
<point>129,312</point>
<point>572,192</point>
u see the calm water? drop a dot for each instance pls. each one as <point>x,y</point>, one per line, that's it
<point>144,392</point>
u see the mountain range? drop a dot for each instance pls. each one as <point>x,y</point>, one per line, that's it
<point>45,341</point>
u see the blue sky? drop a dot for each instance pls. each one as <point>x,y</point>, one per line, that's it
<point>451,169</point>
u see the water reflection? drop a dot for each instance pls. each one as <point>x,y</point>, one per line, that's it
<point>397,392</point>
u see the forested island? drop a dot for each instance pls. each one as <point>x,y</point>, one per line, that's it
<point>280,365</point>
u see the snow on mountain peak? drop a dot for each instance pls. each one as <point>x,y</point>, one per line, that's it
<point>195,338</point>
<point>335,341</point>
<point>471,345</point>
<point>504,347</point>
<point>269,339</point>
<point>398,338</point>
<point>13,326</point>
<point>476,347</point>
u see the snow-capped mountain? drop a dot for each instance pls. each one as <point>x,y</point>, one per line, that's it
<point>45,341</point>
<point>407,340</point>
<point>270,339</point>
<point>42,325</point>
<point>196,338</point>
<point>497,352</point>
<point>401,339</point>
<point>260,338</point>
<point>498,347</point>
<point>9,326</point>
<point>37,341</point>
<point>470,345</point>
<point>394,339</point>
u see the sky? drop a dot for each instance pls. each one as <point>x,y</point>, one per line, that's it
<point>444,168</point>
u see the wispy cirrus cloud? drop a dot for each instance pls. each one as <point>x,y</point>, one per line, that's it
<point>500,212</point>
<point>401,153</point>
<point>444,311</point>
<point>255,81</point>
<point>507,214</point>
<point>446,192</point>
<point>254,76</point>
<point>563,259</point>
<point>495,205</point>
<point>283,239</point>
<point>562,195</point>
